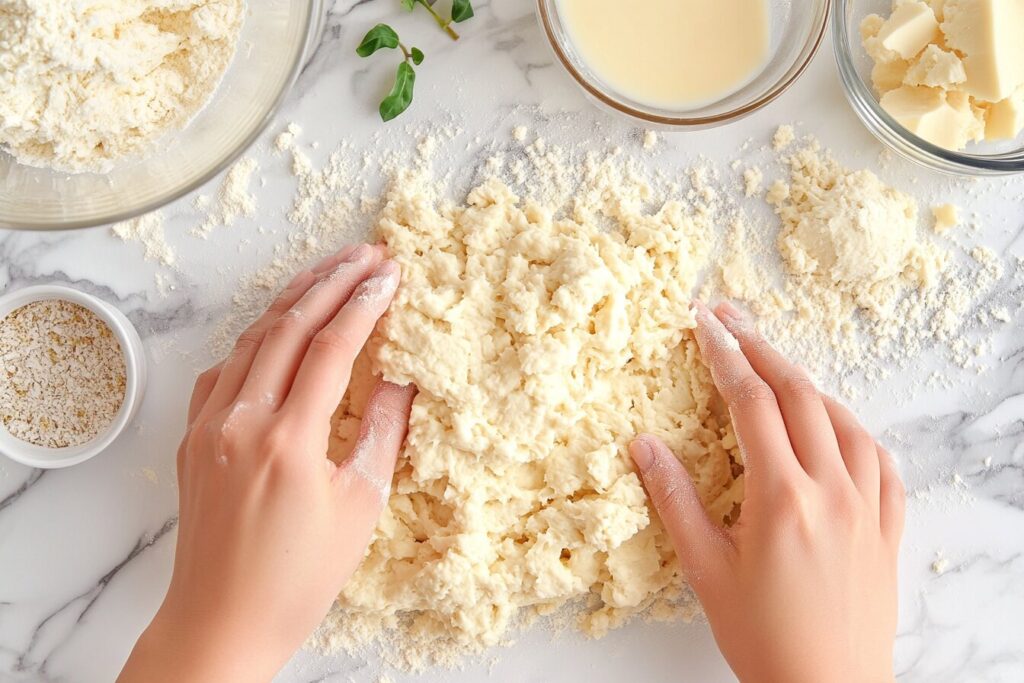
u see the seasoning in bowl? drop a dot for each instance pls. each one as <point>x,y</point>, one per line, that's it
<point>63,374</point>
<point>676,54</point>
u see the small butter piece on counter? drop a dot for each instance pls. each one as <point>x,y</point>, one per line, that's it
<point>989,33</point>
<point>1005,119</point>
<point>946,216</point>
<point>911,27</point>
<point>938,117</point>
<point>936,67</point>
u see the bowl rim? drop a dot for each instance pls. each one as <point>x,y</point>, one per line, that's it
<point>683,121</point>
<point>894,135</point>
<point>274,105</point>
<point>127,337</point>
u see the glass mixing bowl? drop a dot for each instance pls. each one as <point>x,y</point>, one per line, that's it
<point>275,41</point>
<point>797,29</point>
<point>983,159</point>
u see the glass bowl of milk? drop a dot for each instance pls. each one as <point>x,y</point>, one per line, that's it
<point>678,64</point>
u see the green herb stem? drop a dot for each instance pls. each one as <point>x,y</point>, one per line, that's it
<point>445,25</point>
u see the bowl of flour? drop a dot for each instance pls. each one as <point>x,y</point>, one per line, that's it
<point>114,108</point>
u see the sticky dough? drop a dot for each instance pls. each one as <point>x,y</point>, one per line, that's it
<point>540,348</point>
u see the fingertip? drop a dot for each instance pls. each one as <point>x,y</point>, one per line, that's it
<point>642,451</point>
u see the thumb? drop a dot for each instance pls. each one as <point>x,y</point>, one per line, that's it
<point>702,547</point>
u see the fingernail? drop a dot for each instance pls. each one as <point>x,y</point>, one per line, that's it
<point>642,452</point>
<point>361,253</point>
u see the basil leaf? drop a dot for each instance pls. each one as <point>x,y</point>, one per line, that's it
<point>379,37</point>
<point>408,4</point>
<point>417,56</point>
<point>461,10</point>
<point>400,97</point>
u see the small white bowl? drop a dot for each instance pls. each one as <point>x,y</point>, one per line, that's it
<point>135,379</point>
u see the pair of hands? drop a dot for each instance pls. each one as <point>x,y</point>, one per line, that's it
<point>803,588</point>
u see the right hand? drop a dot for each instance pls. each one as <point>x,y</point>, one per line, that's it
<point>803,588</point>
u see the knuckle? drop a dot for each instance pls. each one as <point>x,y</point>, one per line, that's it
<point>279,443</point>
<point>284,326</point>
<point>801,388</point>
<point>335,340</point>
<point>750,390</point>
<point>249,340</point>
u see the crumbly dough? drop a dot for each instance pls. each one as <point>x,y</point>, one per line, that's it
<point>85,83</point>
<point>540,346</point>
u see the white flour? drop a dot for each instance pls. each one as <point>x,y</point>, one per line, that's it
<point>88,82</point>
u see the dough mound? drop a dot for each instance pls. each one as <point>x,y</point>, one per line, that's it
<point>847,227</point>
<point>540,346</point>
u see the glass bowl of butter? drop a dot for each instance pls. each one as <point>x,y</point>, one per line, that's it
<point>684,64</point>
<point>941,82</point>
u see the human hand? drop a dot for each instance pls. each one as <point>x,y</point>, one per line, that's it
<point>803,587</point>
<point>269,528</point>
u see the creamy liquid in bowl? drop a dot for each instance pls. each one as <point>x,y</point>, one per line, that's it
<point>674,54</point>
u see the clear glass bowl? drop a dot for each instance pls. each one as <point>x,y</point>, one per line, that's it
<point>983,159</point>
<point>273,46</point>
<point>797,29</point>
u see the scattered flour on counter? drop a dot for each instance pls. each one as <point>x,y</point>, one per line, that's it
<point>234,199</point>
<point>650,140</point>
<point>148,230</point>
<point>285,140</point>
<point>752,181</point>
<point>87,83</point>
<point>864,289</point>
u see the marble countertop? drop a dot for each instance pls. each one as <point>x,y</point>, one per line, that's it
<point>85,553</point>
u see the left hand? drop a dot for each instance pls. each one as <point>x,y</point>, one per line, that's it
<point>270,529</point>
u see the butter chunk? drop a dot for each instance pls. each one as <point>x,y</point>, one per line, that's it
<point>936,68</point>
<point>1005,119</point>
<point>911,27</point>
<point>928,113</point>
<point>946,216</point>
<point>990,33</point>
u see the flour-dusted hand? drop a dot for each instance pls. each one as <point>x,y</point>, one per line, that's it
<point>270,529</point>
<point>803,588</point>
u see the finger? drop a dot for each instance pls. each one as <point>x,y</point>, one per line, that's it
<point>807,423</point>
<point>236,367</point>
<point>893,503</point>
<point>760,430</point>
<point>331,261</point>
<point>858,449</point>
<point>205,383</point>
<point>371,466</point>
<point>702,547</point>
<point>288,338</point>
<point>325,371</point>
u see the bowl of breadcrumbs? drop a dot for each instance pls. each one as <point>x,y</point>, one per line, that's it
<point>72,374</point>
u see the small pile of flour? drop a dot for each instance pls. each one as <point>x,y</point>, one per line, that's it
<point>147,230</point>
<point>862,281</point>
<point>234,199</point>
<point>89,82</point>
<point>64,374</point>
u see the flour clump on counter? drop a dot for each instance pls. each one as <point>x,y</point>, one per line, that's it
<point>87,83</point>
<point>540,346</point>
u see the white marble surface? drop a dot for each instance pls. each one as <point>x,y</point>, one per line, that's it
<point>85,553</point>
